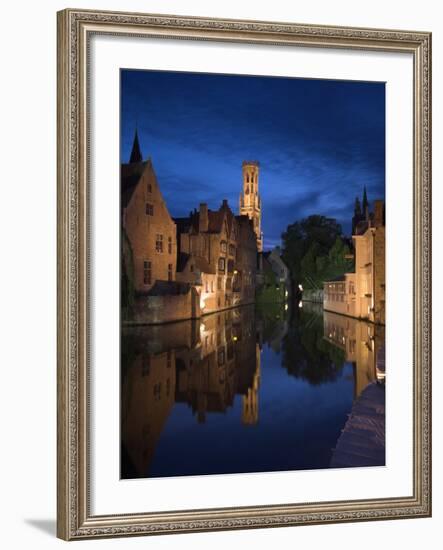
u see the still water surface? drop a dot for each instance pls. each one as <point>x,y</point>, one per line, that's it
<point>241,390</point>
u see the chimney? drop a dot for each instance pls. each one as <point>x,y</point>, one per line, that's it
<point>378,213</point>
<point>203,218</point>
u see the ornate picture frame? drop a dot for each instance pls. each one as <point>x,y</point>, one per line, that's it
<point>74,517</point>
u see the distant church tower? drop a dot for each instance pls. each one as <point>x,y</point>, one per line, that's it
<point>250,400</point>
<point>250,203</point>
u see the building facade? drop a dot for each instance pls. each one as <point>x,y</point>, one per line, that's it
<point>147,223</point>
<point>217,252</point>
<point>362,294</point>
<point>203,364</point>
<point>187,267</point>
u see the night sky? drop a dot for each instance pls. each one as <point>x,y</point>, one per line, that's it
<point>318,141</point>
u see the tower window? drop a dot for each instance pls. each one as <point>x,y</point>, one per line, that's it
<point>247,178</point>
<point>169,245</point>
<point>147,272</point>
<point>223,246</point>
<point>159,243</point>
<point>221,264</point>
<point>169,272</point>
<point>149,209</point>
<point>149,187</point>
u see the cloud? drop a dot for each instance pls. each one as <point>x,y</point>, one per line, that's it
<point>318,142</point>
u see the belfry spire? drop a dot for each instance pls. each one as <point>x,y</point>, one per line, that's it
<point>136,154</point>
<point>250,202</point>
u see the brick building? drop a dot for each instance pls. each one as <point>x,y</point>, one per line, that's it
<point>217,252</point>
<point>362,294</point>
<point>147,223</point>
<point>187,267</point>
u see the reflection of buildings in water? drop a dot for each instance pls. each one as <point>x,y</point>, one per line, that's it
<point>362,343</point>
<point>223,365</point>
<point>250,400</point>
<point>202,363</point>
<point>147,399</point>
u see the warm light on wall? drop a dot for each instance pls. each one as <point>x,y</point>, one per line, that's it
<point>203,297</point>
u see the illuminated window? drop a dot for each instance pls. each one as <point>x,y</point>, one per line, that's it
<point>147,272</point>
<point>159,243</point>
<point>221,264</point>
<point>223,246</point>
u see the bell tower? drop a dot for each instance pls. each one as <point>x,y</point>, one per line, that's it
<point>250,202</point>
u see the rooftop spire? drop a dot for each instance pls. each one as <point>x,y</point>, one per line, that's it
<point>365,200</point>
<point>136,154</point>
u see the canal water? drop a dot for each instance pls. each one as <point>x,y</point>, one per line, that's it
<point>244,390</point>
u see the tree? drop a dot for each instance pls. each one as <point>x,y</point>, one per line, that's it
<point>306,247</point>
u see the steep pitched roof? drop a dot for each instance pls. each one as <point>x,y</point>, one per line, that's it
<point>130,175</point>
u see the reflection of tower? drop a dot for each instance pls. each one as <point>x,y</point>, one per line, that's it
<point>250,400</point>
<point>250,202</point>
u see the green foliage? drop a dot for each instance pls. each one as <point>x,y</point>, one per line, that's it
<point>315,251</point>
<point>307,355</point>
<point>272,291</point>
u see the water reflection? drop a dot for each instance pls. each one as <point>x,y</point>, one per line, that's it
<point>241,390</point>
<point>361,343</point>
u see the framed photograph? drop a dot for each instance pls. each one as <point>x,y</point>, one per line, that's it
<point>244,294</point>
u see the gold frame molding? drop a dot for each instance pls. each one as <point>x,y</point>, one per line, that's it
<point>75,28</point>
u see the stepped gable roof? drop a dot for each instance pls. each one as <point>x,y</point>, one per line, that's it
<point>215,220</point>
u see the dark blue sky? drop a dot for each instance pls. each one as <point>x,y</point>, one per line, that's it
<point>318,141</point>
